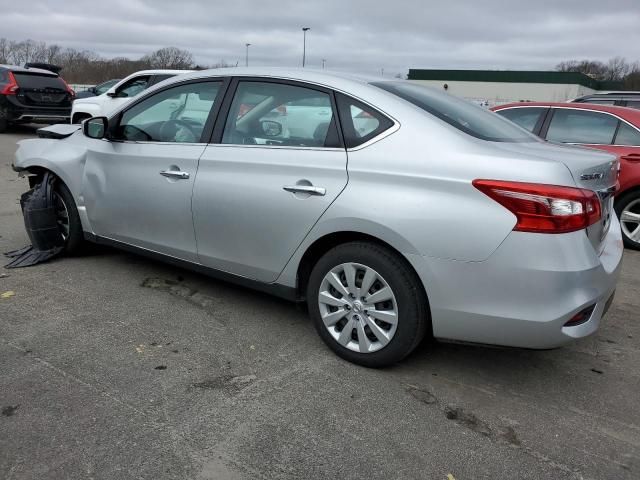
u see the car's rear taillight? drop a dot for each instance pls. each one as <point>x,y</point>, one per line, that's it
<point>544,208</point>
<point>69,89</point>
<point>10,88</point>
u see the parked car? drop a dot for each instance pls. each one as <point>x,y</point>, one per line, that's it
<point>97,89</point>
<point>433,217</point>
<point>33,95</point>
<point>612,129</point>
<point>119,94</point>
<point>618,99</point>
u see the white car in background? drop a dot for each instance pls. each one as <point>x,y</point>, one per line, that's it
<point>119,94</point>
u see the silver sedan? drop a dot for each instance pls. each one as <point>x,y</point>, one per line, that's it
<point>393,210</point>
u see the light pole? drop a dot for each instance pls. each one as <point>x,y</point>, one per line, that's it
<point>304,44</point>
<point>246,57</point>
<point>323,62</point>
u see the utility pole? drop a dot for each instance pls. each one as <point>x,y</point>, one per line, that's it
<point>246,58</point>
<point>304,44</point>
<point>323,62</point>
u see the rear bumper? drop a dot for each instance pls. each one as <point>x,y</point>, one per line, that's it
<point>525,293</point>
<point>19,113</point>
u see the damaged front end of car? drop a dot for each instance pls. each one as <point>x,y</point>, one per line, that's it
<point>44,215</point>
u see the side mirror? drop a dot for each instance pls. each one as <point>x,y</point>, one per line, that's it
<point>111,92</point>
<point>95,127</point>
<point>271,128</point>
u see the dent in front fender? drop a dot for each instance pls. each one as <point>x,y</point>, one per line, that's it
<point>64,158</point>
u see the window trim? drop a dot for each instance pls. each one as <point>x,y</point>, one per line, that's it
<point>218,130</point>
<point>116,118</point>
<point>553,109</point>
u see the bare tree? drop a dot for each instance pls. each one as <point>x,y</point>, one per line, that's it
<point>4,51</point>
<point>617,69</point>
<point>169,57</point>
<point>593,68</point>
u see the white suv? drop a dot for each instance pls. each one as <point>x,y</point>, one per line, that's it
<point>119,94</point>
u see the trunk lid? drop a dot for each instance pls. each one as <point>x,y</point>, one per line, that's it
<point>38,89</point>
<point>591,169</point>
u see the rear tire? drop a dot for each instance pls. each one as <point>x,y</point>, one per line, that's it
<point>74,238</point>
<point>380,330</point>
<point>628,207</point>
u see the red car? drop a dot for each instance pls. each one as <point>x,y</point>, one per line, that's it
<point>614,129</point>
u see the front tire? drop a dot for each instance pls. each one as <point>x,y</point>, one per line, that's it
<point>367,304</point>
<point>628,211</point>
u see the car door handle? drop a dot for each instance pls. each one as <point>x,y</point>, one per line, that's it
<point>631,157</point>
<point>176,174</point>
<point>310,189</point>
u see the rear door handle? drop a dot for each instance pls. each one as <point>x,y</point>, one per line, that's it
<point>310,189</point>
<point>175,174</point>
<point>631,157</point>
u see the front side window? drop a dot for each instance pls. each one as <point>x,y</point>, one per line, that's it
<point>581,126</point>
<point>174,115</point>
<point>465,116</point>
<point>266,113</point>
<point>526,117</point>
<point>133,87</point>
<point>627,135</point>
<point>103,87</point>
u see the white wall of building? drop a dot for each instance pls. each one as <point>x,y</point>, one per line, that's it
<point>498,93</point>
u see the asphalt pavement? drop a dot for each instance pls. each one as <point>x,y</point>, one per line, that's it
<point>113,366</point>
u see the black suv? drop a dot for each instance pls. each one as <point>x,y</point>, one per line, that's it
<point>33,95</point>
<point>619,99</point>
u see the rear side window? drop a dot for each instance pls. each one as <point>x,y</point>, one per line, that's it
<point>581,126</point>
<point>627,135</point>
<point>31,81</point>
<point>360,122</point>
<point>465,116</point>
<point>526,117</point>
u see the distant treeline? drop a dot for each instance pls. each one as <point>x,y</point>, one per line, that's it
<point>615,70</point>
<point>87,67</point>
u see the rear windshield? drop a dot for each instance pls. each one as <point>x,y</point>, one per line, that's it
<point>30,80</point>
<point>463,115</point>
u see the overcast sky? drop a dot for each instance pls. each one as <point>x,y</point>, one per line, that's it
<point>355,35</point>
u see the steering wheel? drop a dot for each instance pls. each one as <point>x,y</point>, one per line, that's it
<point>178,131</point>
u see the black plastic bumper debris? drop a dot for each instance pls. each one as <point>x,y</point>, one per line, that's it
<point>38,209</point>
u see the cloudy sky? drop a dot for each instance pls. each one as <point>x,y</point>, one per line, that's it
<point>354,35</point>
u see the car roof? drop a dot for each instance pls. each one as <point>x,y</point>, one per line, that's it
<point>17,69</point>
<point>630,114</point>
<point>612,92</point>
<point>160,72</point>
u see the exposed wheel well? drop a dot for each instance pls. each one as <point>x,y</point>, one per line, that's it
<point>326,243</point>
<point>626,192</point>
<point>36,174</point>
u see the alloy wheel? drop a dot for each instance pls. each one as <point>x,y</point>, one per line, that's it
<point>358,307</point>
<point>62,215</point>
<point>630,220</point>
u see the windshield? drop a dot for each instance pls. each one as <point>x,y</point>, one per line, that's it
<point>471,119</point>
